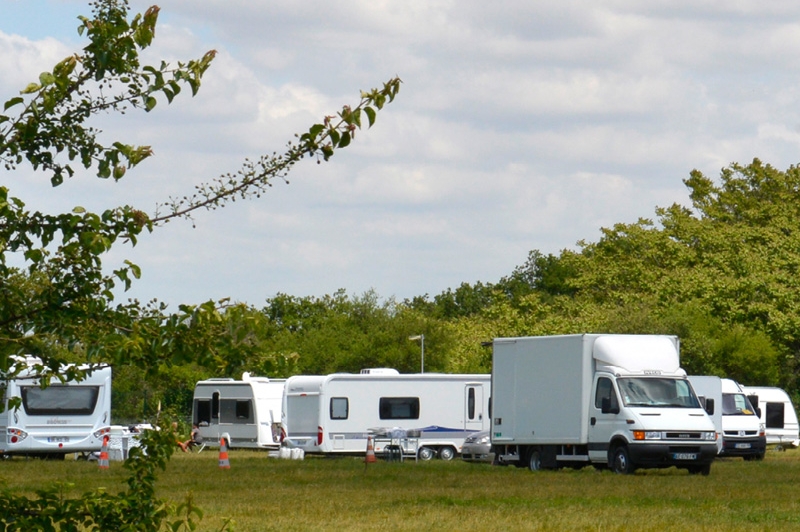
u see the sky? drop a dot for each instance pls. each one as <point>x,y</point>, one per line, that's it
<point>519,126</point>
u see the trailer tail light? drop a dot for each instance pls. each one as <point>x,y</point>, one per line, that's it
<point>16,435</point>
<point>98,434</point>
<point>319,435</point>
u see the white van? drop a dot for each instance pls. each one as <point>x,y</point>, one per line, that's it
<point>72,417</point>
<point>741,431</point>
<point>777,413</point>
<point>246,413</point>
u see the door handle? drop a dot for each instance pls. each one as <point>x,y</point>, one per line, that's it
<point>593,421</point>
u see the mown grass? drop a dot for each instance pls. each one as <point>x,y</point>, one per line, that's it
<point>261,493</point>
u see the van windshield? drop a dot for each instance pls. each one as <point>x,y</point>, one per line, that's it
<point>736,404</point>
<point>657,392</point>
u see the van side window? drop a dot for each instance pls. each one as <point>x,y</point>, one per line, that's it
<point>399,408</point>
<point>340,407</point>
<point>605,389</point>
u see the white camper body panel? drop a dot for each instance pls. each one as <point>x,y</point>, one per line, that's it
<point>777,414</point>
<point>741,432</point>
<point>63,418</point>
<point>247,413</point>
<point>333,414</point>
<point>548,403</point>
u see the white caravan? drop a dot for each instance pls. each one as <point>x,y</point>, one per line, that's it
<point>246,413</point>
<point>618,401</point>
<point>777,413</point>
<point>742,432</point>
<point>72,417</point>
<point>335,414</point>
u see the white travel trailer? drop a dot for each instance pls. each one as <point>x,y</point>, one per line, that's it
<point>742,432</point>
<point>777,413</point>
<point>617,401</point>
<point>335,414</point>
<point>247,413</point>
<point>72,417</point>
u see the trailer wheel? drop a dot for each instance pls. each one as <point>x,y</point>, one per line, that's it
<point>621,461</point>
<point>535,461</point>
<point>425,453</point>
<point>447,453</point>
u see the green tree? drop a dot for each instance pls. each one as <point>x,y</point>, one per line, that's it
<point>56,300</point>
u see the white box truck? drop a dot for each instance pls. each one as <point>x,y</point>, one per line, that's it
<point>741,432</point>
<point>618,401</point>
<point>335,414</point>
<point>246,413</point>
<point>68,417</point>
<point>777,413</point>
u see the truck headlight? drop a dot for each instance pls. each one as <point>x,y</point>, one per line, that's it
<point>646,435</point>
<point>709,436</point>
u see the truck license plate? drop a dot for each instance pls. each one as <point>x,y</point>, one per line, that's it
<point>742,445</point>
<point>684,456</point>
<point>60,439</point>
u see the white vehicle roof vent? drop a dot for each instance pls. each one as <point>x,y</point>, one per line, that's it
<point>380,371</point>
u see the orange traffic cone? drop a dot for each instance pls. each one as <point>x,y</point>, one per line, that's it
<point>223,455</point>
<point>103,461</point>
<point>370,458</point>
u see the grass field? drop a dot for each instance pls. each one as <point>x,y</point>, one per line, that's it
<point>261,493</point>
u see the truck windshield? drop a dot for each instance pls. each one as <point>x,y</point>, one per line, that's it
<point>657,392</point>
<point>736,404</point>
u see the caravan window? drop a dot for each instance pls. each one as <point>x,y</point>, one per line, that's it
<point>471,403</point>
<point>340,407</point>
<point>775,415</point>
<point>399,408</point>
<point>235,411</point>
<point>202,411</point>
<point>58,400</point>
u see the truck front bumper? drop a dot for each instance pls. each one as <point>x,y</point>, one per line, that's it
<point>667,454</point>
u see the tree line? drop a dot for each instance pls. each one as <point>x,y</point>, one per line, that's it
<point>721,275</point>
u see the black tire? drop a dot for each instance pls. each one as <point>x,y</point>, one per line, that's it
<point>426,453</point>
<point>621,461</point>
<point>535,461</point>
<point>447,453</point>
<point>704,470</point>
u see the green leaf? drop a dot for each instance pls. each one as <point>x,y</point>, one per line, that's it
<point>46,78</point>
<point>345,140</point>
<point>370,112</point>
<point>150,104</point>
<point>31,88</point>
<point>12,102</point>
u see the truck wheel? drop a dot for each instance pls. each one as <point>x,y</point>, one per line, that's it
<point>535,461</point>
<point>621,461</point>
<point>447,453</point>
<point>425,453</point>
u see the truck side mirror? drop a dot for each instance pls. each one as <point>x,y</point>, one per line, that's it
<point>606,408</point>
<point>709,406</point>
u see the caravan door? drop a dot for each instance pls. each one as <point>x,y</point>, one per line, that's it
<point>473,407</point>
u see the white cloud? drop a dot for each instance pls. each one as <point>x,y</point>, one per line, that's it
<point>519,126</point>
